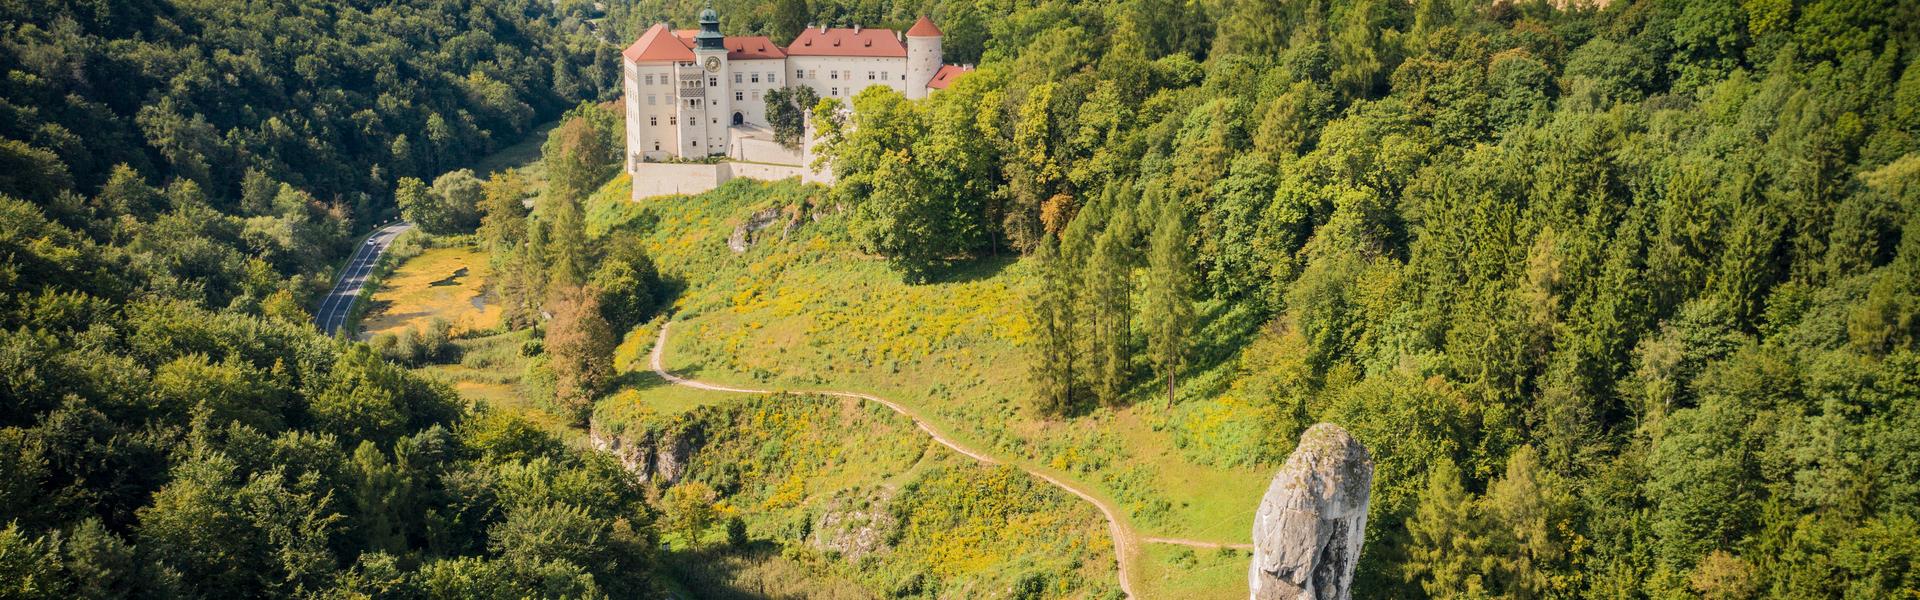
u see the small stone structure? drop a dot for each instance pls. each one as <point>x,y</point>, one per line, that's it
<point>1308,531</point>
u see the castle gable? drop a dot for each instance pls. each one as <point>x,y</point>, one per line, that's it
<point>659,45</point>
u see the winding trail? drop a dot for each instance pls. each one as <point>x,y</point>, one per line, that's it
<point>1125,542</point>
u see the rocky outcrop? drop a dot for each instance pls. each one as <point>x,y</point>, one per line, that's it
<point>1308,531</point>
<point>646,454</point>
<point>743,235</point>
<point>855,525</point>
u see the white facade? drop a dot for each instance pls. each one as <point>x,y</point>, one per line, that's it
<point>844,76</point>
<point>695,94</point>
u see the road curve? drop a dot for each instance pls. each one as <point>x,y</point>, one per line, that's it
<point>334,308</point>
<point>1123,543</point>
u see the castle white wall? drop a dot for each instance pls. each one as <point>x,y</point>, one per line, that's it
<point>764,172</point>
<point>750,81</point>
<point>756,145</point>
<point>664,179</point>
<point>652,118</point>
<point>844,76</point>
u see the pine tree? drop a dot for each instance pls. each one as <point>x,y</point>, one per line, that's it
<point>1168,302</point>
<point>1444,544</point>
<point>504,223</point>
<point>1052,366</point>
<point>566,241</point>
<point>1109,288</point>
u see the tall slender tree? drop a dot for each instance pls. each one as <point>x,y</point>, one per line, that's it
<point>1052,366</point>
<point>1108,282</point>
<point>1167,304</point>
<point>566,241</point>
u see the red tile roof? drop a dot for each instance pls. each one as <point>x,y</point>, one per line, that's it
<point>945,76</point>
<point>753,47</point>
<point>657,45</point>
<point>924,28</point>
<point>880,43</point>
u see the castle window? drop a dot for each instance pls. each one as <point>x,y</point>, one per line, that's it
<point>651,100</point>
<point>656,145</point>
<point>883,76</point>
<point>739,96</point>
<point>713,82</point>
<point>836,92</point>
<point>673,120</point>
<point>756,78</point>
<point>833,74</point>
<point>737,77</point>
<point>654,120</point>
<point>773,78</point>
<point>649,80</point>
<point>869,75</point>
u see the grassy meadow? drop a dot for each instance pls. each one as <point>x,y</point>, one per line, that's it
<point>850,491</point>
<point>802,308</point>
<point>445,282</point>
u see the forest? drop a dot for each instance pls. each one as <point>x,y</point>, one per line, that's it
<point>178,180</point>
<point>1620,298</point>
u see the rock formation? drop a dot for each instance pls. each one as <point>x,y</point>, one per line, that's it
<point>647,453</point>
<point>1308,531</point>
<point>746,233</point>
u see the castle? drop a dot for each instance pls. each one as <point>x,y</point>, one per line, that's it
<point>697,94</point>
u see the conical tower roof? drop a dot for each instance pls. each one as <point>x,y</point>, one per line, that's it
<point>924,28</point>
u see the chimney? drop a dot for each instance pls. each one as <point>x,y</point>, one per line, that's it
<point>856,29</point>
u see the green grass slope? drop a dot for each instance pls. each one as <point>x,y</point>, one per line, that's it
<point>802,308</point>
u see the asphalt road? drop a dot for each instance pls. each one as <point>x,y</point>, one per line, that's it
<point>333,309</point>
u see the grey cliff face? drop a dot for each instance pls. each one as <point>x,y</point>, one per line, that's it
<point>1308,531</point>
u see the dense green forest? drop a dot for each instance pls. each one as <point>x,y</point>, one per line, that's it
<point>177,180</point>
<point>1622,299</point>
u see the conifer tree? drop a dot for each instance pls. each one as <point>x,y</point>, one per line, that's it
<point>1444,545</point>
<point>504,221</point>
<point>566,241</point>
<point>1168,302</point>
<point>1109,289</point>
<point>1052,366</point>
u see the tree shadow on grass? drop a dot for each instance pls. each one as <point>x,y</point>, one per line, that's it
<point>976,269</point>
<point>1222,329</point>
<point>756,572</point>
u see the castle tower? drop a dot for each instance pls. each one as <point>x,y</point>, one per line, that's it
<point>710,60</point>
<point>923,56</point>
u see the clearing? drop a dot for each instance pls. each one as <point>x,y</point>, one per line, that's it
<point>448,283</point>
<point>804,309</point>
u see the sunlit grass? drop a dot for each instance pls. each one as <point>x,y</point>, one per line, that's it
<point>1182,572</point>
<point>810,311</point>
<point>447,283</point>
